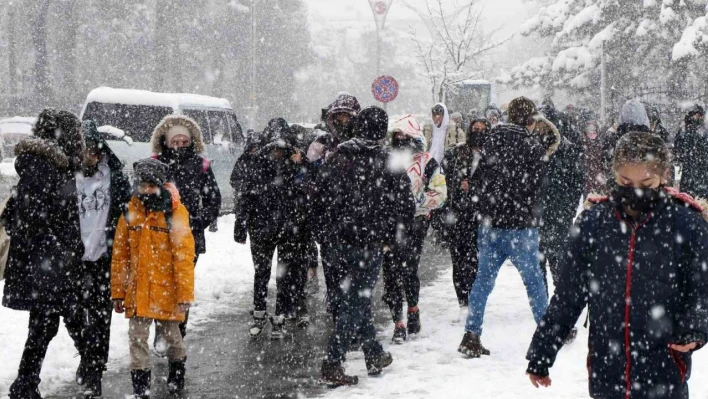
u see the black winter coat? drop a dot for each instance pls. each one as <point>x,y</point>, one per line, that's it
<point>246,166</point>
<point>121,193</point>
<point>198,191</point>
<point>42,218</point>
<point>462,163</point>
<point>563,185</point>
<point>360,199</point>
<point>691,150</point>
<point>512,172</point>
<point>646,286</point>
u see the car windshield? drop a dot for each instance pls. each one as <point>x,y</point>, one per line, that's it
<point>138,121</point>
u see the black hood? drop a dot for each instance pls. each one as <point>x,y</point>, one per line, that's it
<point>94,139</point>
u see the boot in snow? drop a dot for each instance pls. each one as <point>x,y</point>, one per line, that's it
<point>141,383</point>
<point>471,346</point>
<point>413,321</point>
<point>81,372</point>
<point>303,318</point>
<point>92,381</point>
<point>278,328</point>
<point>260,320</point>
<point>25,388</point>
<point>333,374</point>
<point>376,364</point>
<point>399,333</point>
<point>571,336</point>
<point>175,379</point>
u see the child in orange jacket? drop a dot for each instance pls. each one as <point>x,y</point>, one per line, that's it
<point>153,272</point>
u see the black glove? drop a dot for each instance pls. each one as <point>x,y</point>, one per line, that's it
<point>537,369</point>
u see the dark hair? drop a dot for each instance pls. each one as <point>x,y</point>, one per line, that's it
<point>642,148</point>
<point>438,110</point>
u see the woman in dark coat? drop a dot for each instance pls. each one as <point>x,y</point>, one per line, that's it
<point>177,142</point>
<point>44,264</point>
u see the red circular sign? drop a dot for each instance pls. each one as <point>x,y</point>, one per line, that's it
<point>385,89</point>
<point>380,7</point>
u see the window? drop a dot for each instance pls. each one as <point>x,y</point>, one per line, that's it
<point>138,121</point>
<point>219,127</point>
<point>200,117</point>
<point>236,132</point>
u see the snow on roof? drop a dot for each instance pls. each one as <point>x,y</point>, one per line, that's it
<point>18,125</point>
<point>477,82</point>
<point>31,120</point>
<point>142,97</point>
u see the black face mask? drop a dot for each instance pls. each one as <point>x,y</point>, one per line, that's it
<point>405,144</point>
<point>179,154</point>
<point>476,139</point>
<point>153,202</point>
<point>88,170</point>
<point>344,130</point>
<point>642,200</point>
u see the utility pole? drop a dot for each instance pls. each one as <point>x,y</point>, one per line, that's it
<point>253,111</point>
<point>380,9</point>
<point>603,84</point>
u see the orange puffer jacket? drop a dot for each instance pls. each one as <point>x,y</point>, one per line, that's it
<point>153,265</point>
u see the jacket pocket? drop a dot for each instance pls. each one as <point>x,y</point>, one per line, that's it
<point>163,296</point>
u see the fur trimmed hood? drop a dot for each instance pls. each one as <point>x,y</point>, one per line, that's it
<point>43,148</point>
<point>540,121</point>
<point>158,135</point>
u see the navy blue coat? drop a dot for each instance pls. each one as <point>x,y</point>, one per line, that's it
<point>646,285</point>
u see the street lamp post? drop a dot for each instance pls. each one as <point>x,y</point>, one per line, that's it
<point>253,109</point>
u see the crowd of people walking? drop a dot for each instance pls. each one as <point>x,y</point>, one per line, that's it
<point>361,193</point>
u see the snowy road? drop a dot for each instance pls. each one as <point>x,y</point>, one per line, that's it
<point>225,363</point>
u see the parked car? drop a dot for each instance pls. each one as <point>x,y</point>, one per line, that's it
<point>137,112</point>
<point>12,130</point>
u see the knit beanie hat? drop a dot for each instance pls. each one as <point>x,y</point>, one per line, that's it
<point>371,124</point>
<point>521,111</point>
<point>150,171</point>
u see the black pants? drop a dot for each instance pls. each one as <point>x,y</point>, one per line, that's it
<point>332,273</point>
<point>96,312</point>
<point>463,251</point>
<point>43,327</point>
<point>183,325</point>
<point>400,269</point>
<point>291,275</point>
<point>550,254</point>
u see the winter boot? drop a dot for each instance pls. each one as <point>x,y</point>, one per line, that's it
<point>413,321</point>
<point>260,319</point>
<point>278,328</point>
<point>333,374</point>
<point>141,383</point>
<point>175,379</point>
<point>471,346</point>
<point>399,333</point>
<point>81,372</point>
<point>25,388</point>
<point>92,382</point>
<point>303,318</point>
<point>571,336</point>
<point>376,364</point>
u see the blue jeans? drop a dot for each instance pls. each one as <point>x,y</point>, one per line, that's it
<point>495,247</point>
<point>359,269</point>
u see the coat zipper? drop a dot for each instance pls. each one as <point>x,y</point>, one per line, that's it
<point>627,308</point>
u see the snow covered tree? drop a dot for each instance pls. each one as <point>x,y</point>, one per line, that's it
<point>636,37</point>
<point>457,45</point>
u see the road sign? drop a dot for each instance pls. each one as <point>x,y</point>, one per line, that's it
<point>380,7</point>
<point>384,89</point>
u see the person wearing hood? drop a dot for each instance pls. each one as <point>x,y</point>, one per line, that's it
<point>400,264</point>
<point>562,189</point>
<point>177,142</point>
<point>493,115</point>
<point>103,195</point>
<point>340,119</point>
<point>152,273</point>
<point>632,118</point>
<point>246,164</point>
<point>515,159</point>
<point>443,133</point>
<point>276,209</point>
<point>691,150</point>
<point>591,139</point>
<point>365,204</point>
<point>655,124</point>
<point>44,270</point>
<point>462,166</point>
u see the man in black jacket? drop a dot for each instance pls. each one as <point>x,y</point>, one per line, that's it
<point>691,151</point>
<point>104,191</point>
<point>177,142</point>
<point>514,162</point>
<point>364,203</point>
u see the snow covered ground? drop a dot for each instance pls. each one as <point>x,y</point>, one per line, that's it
<point>430,366</point>
<point>223,275</point>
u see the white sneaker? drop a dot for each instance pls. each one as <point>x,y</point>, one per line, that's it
<point>277,331</point>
